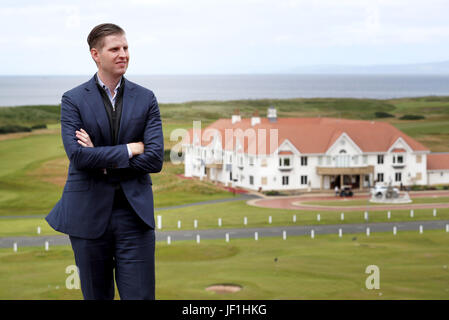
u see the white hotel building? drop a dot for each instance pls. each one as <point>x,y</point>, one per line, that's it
<point>310,154</point>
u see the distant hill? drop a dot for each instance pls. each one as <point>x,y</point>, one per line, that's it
<point>419,68</point>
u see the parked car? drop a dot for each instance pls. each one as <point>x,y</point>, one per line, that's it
<point>346,191</point>
<point>380,190</point>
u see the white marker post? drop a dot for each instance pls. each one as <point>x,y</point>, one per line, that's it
<point>168,240</point>
<point>340,233</point>
<point>14,246</point>
<point>197,238</point>
<point>395,230</point>
<point>294,218</point>
<point>245,221</point>
<point>256,236</point>
<point>366,215</point>
<point>219,222</point>
<point>227,237</point>
<point>195,223</point>
<point>179,224</point>
<point>447,228</point>
<point>420,229</point>
<point>270,219</point>
<point>38,230</point>
<point>389,215</point>
<point>318,217</point>
<point>312,234</point>
<point>367,232</point>
<point>434,212</point>
<point>342,216</point>
<point>159,222</point>
<point>284,235</point>
<point>46,246</point>
<point>411,213</point>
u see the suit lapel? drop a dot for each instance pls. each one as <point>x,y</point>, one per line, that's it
<point>93,99</point>
<point>129,102</point>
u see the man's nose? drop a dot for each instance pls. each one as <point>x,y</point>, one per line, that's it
<point>122,53</point>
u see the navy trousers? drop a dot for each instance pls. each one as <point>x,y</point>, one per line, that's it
<point>128,247</point>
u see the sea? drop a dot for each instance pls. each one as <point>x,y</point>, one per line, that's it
<point>39,90</point>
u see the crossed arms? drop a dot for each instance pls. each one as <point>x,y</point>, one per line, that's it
<point>147,154</point>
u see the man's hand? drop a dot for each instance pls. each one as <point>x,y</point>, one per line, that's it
<point>84,138</point>
<point>136,147</point>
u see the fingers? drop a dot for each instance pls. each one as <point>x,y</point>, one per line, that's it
<point>82,143</point>
<point>83,137</point>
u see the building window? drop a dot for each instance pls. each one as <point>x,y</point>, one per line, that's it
<point>264,180</point>
<point>418,158</point>
<point>365,159</point>
<point>251,180</point>
<point>230,175</point>
<point>303,179</point>
<point>356,159</point>
<point>398,159</point>
<point>328,160</point>
<point>380,177</point>
<point>398,176</point>
<point>230,159</point>
<point>284,162</point>
<point>380,159</point>
<point>251,161</point>
<point>303,161</point>
<point>263,162</point>
<point>418,176</point>
<point>284,180</point>
<point>241,161</point>
<point>320,160</point>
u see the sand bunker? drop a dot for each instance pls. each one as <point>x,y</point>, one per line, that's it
<point>224,288</point>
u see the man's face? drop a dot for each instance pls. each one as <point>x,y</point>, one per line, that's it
<point>113,57</point>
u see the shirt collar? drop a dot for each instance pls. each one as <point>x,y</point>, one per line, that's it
<point>105,87</point>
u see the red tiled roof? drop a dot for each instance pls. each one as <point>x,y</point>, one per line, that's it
<point>438,161</point>
<point>314,135</point>
<point>285,152</point>
<point>398,150</point>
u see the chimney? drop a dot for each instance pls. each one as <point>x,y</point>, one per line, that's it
<point>236,116</point>
<point>271,114</point>
<point>255,119</point>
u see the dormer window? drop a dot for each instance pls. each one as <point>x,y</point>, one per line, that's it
<point>284,162</point>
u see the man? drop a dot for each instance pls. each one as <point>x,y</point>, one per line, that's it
<point>112,134</point>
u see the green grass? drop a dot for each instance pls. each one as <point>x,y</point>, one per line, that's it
<point>412,266</point>
<point>232,214</point>
<point>30,165</point>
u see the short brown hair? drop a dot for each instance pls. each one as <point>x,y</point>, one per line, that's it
<point>97,35</point>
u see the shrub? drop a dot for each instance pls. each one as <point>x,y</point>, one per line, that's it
<point>381,114</point>
<point>13,128</point>
<point>412,117</point>
<point>39,126</point>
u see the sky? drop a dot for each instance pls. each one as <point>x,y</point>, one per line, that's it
<point>223,36</point>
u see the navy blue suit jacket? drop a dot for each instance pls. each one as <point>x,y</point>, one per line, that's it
<point>86,203</point>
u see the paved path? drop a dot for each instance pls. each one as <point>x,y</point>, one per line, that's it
<point>297,202</point>
<point>249,232</point>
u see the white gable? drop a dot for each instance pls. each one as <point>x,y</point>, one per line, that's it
<point>344,144</point>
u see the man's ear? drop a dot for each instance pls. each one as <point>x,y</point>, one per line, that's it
<point>94,53</point>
